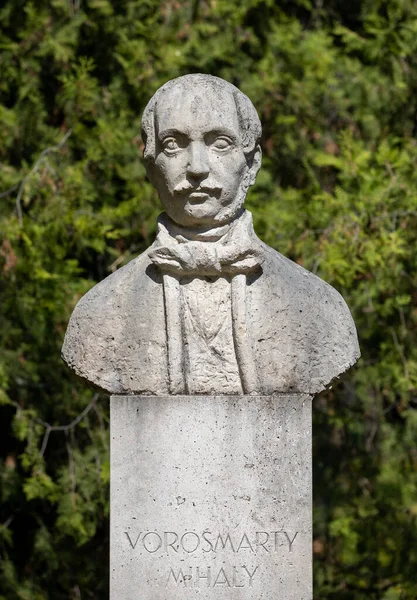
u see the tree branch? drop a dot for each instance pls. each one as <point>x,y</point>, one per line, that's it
<point>10,190</point>
<point>71,425</point>
<point>34,170</point>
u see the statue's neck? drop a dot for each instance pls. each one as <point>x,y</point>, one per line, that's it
<point>204,234</point>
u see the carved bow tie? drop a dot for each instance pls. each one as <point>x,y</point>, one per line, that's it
<point>236,251</point>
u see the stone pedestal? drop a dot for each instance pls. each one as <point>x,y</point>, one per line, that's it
<point>211,498</point>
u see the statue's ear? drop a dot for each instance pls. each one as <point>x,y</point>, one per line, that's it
<point>256,164</point>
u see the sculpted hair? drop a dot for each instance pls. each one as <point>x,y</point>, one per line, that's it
<point>250,125</point>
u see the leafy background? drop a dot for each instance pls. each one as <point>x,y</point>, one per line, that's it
<point>335,84</point>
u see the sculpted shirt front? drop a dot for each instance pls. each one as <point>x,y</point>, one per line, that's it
<point>218,314</point>
<point>210,362</point>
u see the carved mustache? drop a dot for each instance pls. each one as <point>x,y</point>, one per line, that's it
<point>209,187</point>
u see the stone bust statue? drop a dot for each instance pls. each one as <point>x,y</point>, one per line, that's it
<point>208,308</point>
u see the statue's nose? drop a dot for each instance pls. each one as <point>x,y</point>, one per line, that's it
<point>198,160</point>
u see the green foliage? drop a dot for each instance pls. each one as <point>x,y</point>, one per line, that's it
<point>334,84</point>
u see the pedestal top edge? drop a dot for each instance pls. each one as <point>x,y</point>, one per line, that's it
<point>202,398</point>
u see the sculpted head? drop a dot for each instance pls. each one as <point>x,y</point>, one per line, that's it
<point>202,150</point>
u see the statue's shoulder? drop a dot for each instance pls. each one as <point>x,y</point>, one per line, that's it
<point>306,314</point>
<point>121,315</point>
<point>116,285</point>
<point>302,286</point>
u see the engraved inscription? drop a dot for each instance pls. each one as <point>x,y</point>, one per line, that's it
<point>189,542</point>
<point>234,577</point>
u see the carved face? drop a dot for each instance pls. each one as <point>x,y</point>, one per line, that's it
<point>200,170</point>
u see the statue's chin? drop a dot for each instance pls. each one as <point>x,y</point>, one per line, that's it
<point>205,214</point>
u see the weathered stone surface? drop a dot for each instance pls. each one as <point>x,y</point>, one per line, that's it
<point>301,333</point>
<point>209,308</point>
<point>211,498</point>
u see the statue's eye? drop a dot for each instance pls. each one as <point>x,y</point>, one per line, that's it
<point>170,144</point>
<point>222,143</point>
